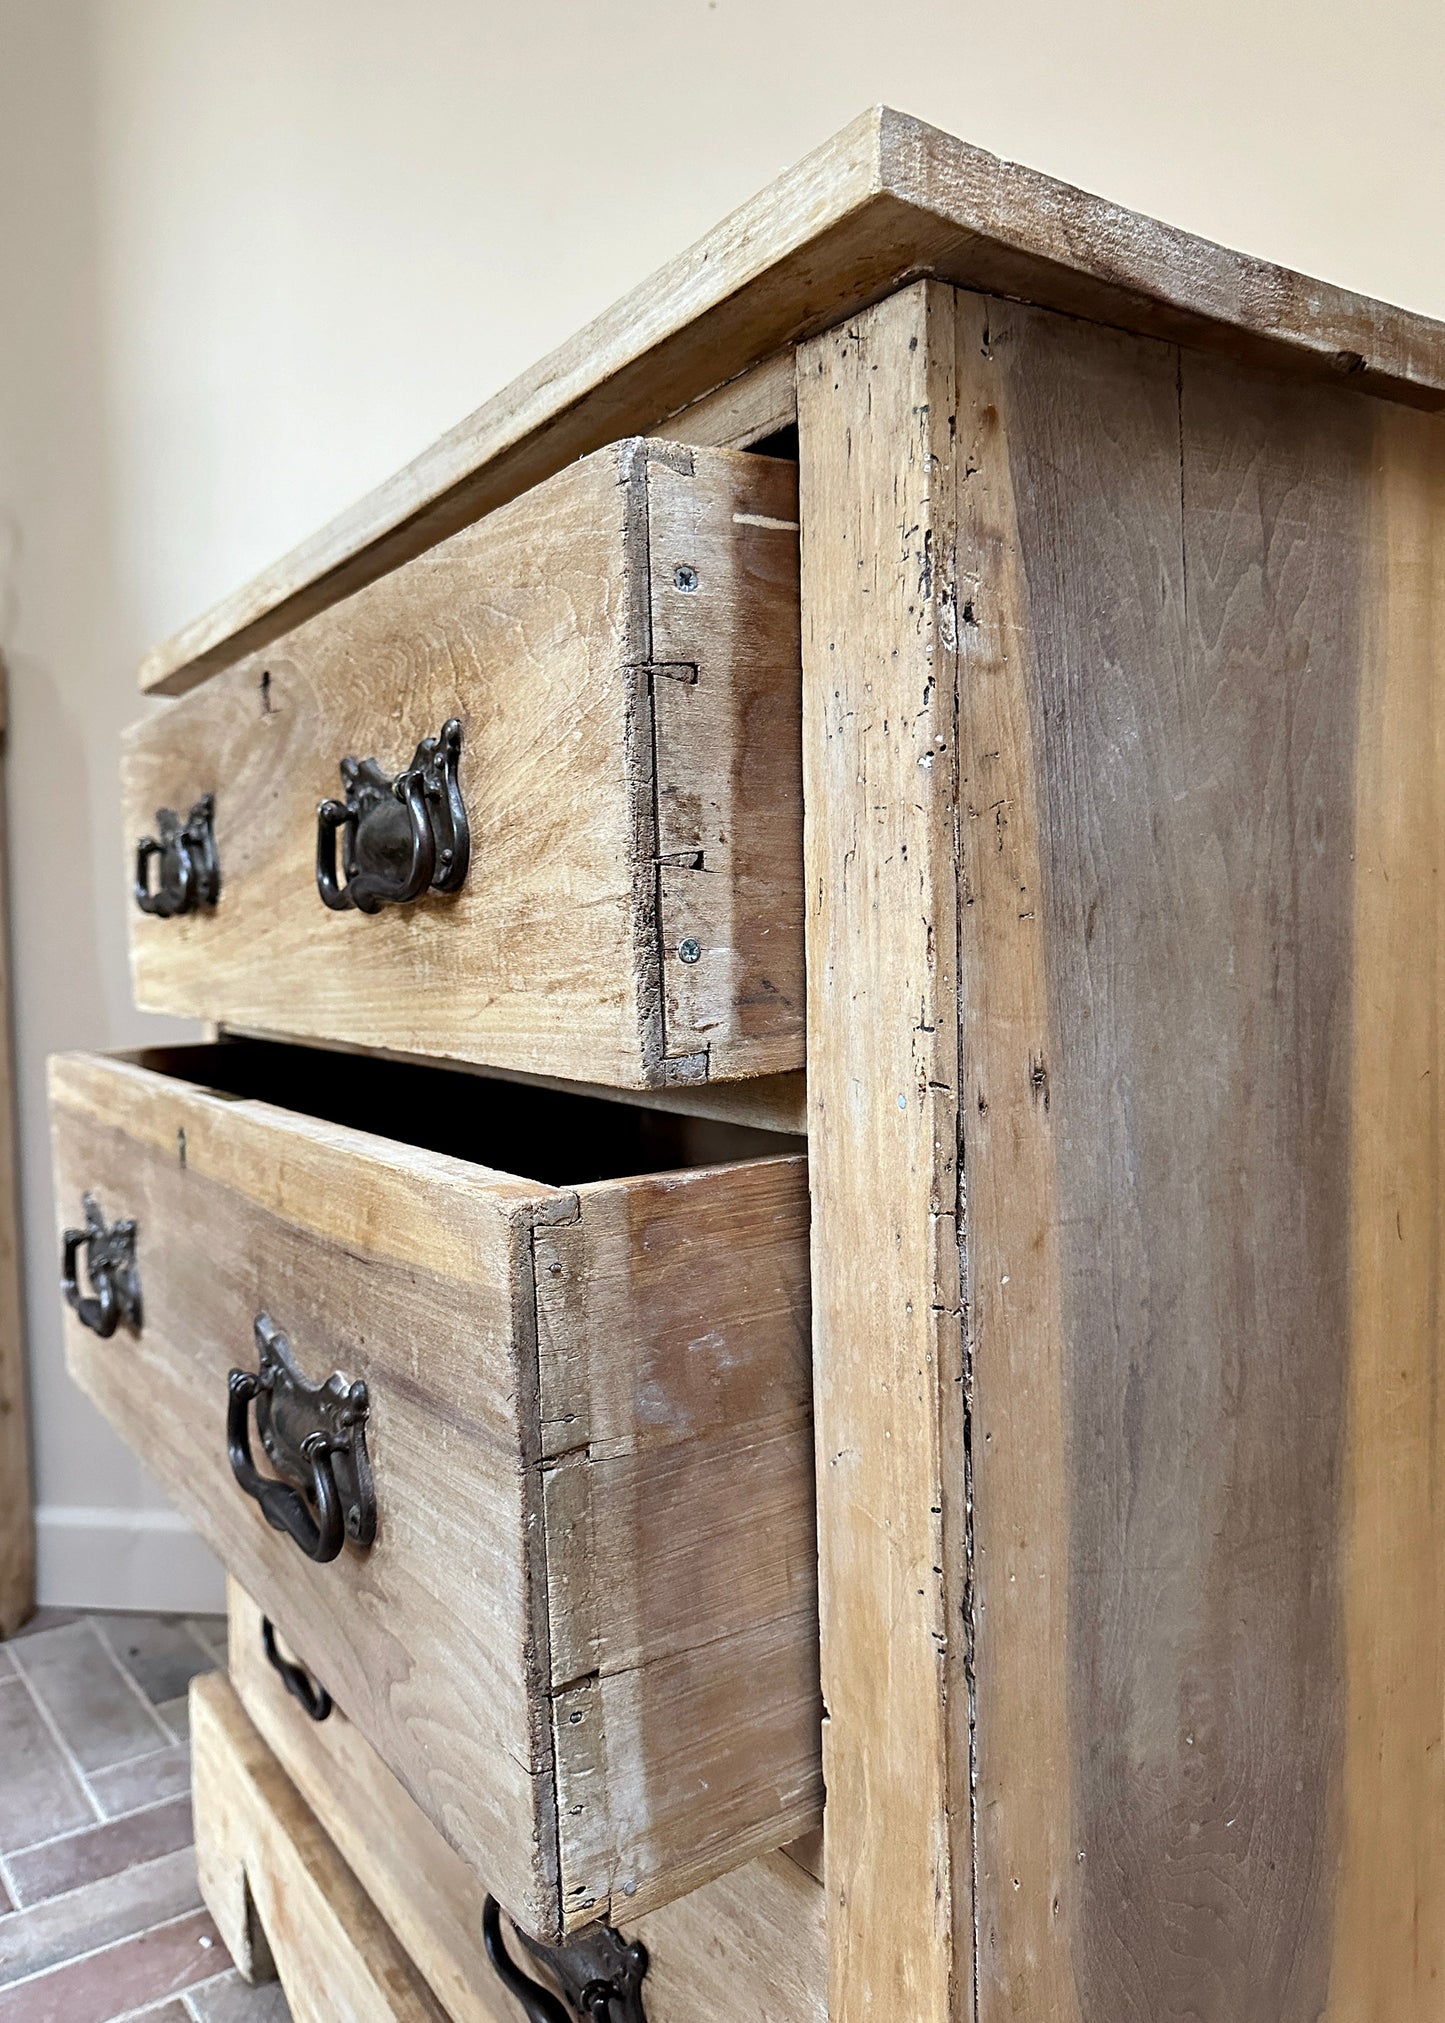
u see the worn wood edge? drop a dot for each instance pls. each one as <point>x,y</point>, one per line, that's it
<point>17,1517</point>
<point>1026,1876</point>
<point>757,403</point>
<point>117,1089</point>
<point>767,1102</point>
<point>537,1638</point>
<point>294,1876</point>
<point>877,399</point>
<point>888,199</point>
<point>594,1735</point>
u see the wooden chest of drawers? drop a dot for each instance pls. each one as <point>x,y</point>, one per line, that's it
<point>1120,610</point>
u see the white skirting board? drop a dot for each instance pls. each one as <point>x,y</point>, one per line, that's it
<point>97,1558</point>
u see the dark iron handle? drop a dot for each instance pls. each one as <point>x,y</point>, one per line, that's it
<point>284,1508</point>
<point>102,1313</point>
<point>110,1266</point>
<point>313,1698</point>
<point>539,2005</point>
<point>189,873</point>
<point>170,897</point>
<point>400,835</point>
<point>599,1970</point>
<point>369,891</point>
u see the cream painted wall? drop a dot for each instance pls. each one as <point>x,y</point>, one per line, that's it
<point>255,253</point>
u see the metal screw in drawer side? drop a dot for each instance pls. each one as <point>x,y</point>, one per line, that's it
<point>600,1974</point>
<point>689,950</point>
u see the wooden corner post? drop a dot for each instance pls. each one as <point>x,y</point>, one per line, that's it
<point>878,447</point>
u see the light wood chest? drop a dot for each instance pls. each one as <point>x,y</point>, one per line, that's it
<point>1114,658</point>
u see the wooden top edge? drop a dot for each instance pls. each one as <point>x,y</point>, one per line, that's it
<point>886,201</point>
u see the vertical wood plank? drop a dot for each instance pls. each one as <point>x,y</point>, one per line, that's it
<point>1389,1941</point>
<point>1202,783</point>
<point>1157,1306</point>
<point>875,418</point>
<point>1171,1513</point>
<point>1026,1863</point>
<point>17,1521</point>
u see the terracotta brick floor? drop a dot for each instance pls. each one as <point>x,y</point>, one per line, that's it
<point>100,1916</point>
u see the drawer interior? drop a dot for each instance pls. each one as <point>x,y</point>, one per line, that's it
<point>550,1135</point>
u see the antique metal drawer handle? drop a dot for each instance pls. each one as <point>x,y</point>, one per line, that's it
<point>600,1972</point>
<point>315,1438</point>
<point>110,1267</point>
<point>399,837</point>
<point>189,873</point>
<point>296,1679</point>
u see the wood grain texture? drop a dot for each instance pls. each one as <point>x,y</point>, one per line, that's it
<point>728,764</point>
<point>686,1681</point>
<point>1015,1337</point>
<point>397,1266</point>
<point>620,648</point>
<point>876,465</point>
<point>1202,620</point>
<point>760,403</point>
<point>586,1637</point>
<point>1174,1534</point>
<point>750,1946</point>
<point>420,1885</point>
<point>258,1846</point>
<point>17,1519</point>
<point>1388,1954</point>
<point>888,197</point>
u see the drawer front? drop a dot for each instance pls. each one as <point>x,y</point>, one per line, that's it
<point>750,1946</point>
<point>620,649</point>
<point>584,1636</point>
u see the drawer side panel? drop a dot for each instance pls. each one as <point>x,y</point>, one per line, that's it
<point>681,1539</point>
<point>723,544</point>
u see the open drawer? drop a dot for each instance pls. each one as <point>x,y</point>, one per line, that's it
<point>520,1467</point>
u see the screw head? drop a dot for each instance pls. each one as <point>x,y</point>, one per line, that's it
<point>685,576</point>
<point>689,950</point>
